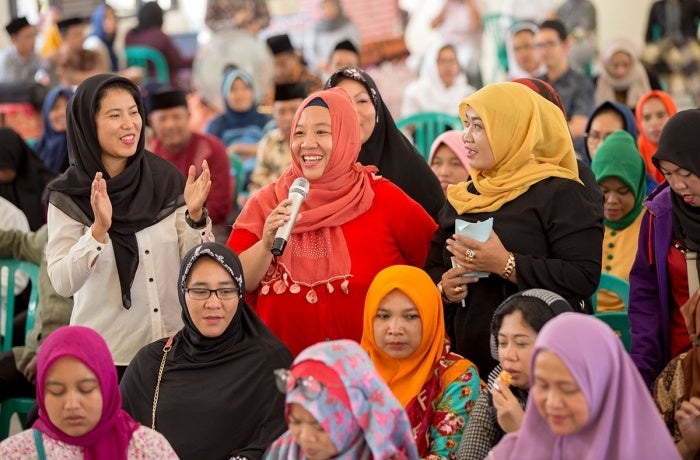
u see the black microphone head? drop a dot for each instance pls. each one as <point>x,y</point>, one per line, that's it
<point>300,186</point>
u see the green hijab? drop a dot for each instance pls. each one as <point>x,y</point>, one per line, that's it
<point>618,157</point>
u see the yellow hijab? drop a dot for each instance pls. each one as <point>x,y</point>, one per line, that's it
<point>530,141</point>
<point>407,376</point>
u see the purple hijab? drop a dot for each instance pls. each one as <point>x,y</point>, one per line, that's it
<point>110,438</point>
<point>623,419</point>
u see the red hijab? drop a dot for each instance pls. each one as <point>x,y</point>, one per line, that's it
<point>646,147</point>
<point>110,438</point>
<point>342,193</point>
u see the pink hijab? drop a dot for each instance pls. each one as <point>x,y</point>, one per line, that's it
<point>110,439</point>
<point>623,419</point>
<point>452,139</point>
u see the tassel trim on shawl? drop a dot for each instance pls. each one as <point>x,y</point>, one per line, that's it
<point>278,280</point>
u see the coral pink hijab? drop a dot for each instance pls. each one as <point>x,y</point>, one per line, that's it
<point>110,439</point>
<point>342,193</point>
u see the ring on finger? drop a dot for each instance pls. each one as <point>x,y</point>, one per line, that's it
<point>469,254</point>
<point>458,289</point>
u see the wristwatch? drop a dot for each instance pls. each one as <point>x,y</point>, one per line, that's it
<point>201,222</point>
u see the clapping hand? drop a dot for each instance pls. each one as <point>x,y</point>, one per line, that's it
<point>101,208</point>
<point>197,191</point>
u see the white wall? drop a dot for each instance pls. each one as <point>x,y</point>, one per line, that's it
<point>626,18</point>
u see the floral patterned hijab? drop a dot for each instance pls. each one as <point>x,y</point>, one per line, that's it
<point>362,417</point>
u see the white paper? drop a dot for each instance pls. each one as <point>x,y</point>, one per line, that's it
<point>479,231</point>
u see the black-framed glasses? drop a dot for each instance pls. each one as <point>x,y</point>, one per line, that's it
<point>287,382</point>
<point>204,293</point>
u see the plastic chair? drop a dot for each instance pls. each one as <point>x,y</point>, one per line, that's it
<point>614,284</point>
<point>620,324</point>
<point>428,126</point>
<point>238,173</point>
<point>20,406</point>
<point>496,27</point>
<point>141,56</point>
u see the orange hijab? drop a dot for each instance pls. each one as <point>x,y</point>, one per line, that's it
<point>646,147</point>
<point>342,193</point>
<point>406,377</point>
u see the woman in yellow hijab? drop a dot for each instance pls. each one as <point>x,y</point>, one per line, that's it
<point>404,335</point>
<point>547,232</point>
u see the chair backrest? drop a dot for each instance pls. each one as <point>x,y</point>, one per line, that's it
<point>239,174</point>
<point>496,27</point>
<point>8,296</point>
<point>614,284</point>
<point>141,55</point>
<point>620,324</point>
<point>427,126</point>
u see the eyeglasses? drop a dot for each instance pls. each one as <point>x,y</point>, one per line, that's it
<point>204,294</point>
<point>287,382</point>
<point>547,44</point>
<point>595,136</point>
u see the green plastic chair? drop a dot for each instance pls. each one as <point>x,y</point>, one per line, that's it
<point>496,27</point>
<point>238,173</point>
<point>20,406</point>
<point>140,56</point>
<point>620,324</point>
<point>614,284</point>
<point>427,126</point>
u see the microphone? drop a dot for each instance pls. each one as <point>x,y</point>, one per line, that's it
<point>297,193</point>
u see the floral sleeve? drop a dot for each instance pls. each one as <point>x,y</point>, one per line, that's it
<point>452,414</point>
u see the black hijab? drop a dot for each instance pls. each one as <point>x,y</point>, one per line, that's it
<point>148,190</point>
<point>150,15</point>
<point>678,144</point>
<point>31,177</point>
<point>217,397</point>
<point>195,346</point>
<point>392,152</point>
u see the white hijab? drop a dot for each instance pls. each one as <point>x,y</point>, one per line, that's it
<point>429,94</point>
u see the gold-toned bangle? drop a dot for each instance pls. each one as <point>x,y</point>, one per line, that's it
<point>510,266</point>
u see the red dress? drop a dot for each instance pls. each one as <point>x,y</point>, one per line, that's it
<point>395,230</point>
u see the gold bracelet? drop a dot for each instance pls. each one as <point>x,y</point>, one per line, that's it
<point>510,266</point>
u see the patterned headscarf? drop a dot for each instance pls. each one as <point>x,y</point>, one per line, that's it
<point>111,437</point>
<point>363,421</point>
<point>196,345</point>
